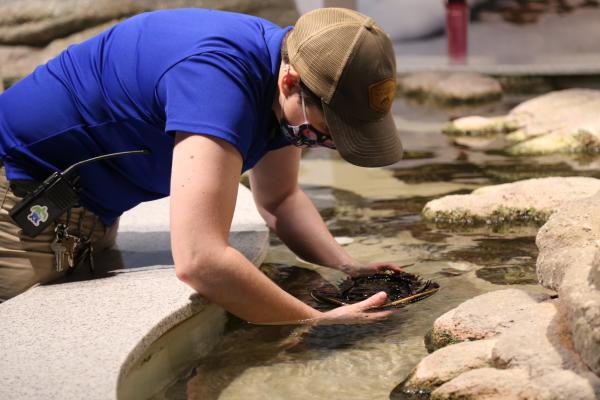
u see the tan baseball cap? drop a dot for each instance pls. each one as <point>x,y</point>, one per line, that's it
<point>348,61</point>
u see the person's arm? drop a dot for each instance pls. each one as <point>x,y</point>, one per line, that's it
<point>292,215</point>
<point>289,212</point>
<point>204,184</point>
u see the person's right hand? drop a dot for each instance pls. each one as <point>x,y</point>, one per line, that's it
<point>357,313</point>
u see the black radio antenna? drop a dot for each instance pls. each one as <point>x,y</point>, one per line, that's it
<point>73,167</point>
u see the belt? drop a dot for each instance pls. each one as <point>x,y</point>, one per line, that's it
<point>19,187</point>
<point>22,187</point>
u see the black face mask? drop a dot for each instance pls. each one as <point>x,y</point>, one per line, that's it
<point>305,135</point>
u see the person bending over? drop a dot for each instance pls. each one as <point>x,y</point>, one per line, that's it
<point>209,95</point>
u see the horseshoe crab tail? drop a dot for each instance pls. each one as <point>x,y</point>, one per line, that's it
<point>413,298</point>
<point>326,299</point>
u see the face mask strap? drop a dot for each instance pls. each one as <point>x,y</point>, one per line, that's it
<point>304,108</point>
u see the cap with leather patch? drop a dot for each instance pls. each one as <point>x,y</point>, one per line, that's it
<point>347,60</point>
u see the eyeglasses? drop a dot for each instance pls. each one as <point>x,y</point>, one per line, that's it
<point>305,135</point>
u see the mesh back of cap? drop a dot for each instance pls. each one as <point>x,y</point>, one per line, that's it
<point>320,44</point>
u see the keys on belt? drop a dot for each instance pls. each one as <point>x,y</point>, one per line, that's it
<point>72,250</point>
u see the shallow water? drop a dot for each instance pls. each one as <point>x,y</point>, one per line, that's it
<point>377,211</point>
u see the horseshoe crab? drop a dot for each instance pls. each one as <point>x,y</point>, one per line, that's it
<point>401,287</point>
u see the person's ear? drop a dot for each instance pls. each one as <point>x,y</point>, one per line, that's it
<point>289,81</point>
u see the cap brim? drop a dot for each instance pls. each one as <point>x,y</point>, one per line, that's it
<point>363,143</point>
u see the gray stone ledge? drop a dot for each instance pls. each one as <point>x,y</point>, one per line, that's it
<point>559,66</point>
<point>78,339</point>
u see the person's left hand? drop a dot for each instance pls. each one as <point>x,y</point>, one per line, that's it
<point>355,270</point>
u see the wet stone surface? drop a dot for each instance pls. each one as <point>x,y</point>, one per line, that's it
<point>513,275</point>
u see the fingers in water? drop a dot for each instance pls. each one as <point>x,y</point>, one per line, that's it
<point>374,301</point>
<point>378,316</point>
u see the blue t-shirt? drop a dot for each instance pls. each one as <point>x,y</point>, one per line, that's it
<point>134,85</point>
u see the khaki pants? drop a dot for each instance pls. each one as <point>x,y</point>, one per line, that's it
<point>25,261</point>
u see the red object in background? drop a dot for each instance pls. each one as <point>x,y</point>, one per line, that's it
<point>457,20</point>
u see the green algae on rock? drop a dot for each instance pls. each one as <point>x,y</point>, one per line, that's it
<point>480,126</point>
<point>509,274</point>
<point>530,201</point>
<point>565,121</point>
<point>499,216</point>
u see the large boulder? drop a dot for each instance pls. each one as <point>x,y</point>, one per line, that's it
<point>19,61</point>
<point>451,87</point>
<point>581,298</point>
<point>445,365</point>
<point>569,262</point>
<point>486,316</point>
<point>38,22</point>
<point>484,383</point>
<point>527,201</point>
<point>548,347</point>
<point>566,121</point>
<point>34,31</point>
<point>499,345</point>
<point>530,345</point>
<point>515,384</point>
<point>569,240</point>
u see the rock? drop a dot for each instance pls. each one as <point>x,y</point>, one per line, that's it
<point>344,240</point>
<point>444,365</point>
<point>481,143</point>
<point>566,121</point>
<point>570,234</point>
<point>451,87</point>
<point>569,262</point>
<point>19,61</point>
<point>594,277</point>
<point>527,84</point>
<point>479,126</point>
<point>486,316</point>
<point>560,385</point>
<point>559,111</point>
<point>541,346</point>
<point>484,383</point>
<point>38,22</point>
<point>527,201</point>
<point>490,383</point>
<point>528,336</point>
<point>582,302</point>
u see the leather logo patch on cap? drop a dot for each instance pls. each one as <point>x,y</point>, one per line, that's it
<point>381,95</point>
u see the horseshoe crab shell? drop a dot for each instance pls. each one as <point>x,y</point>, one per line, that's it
<point>401,287</point>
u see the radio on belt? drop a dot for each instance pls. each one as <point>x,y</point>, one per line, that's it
<point>53,197</point>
